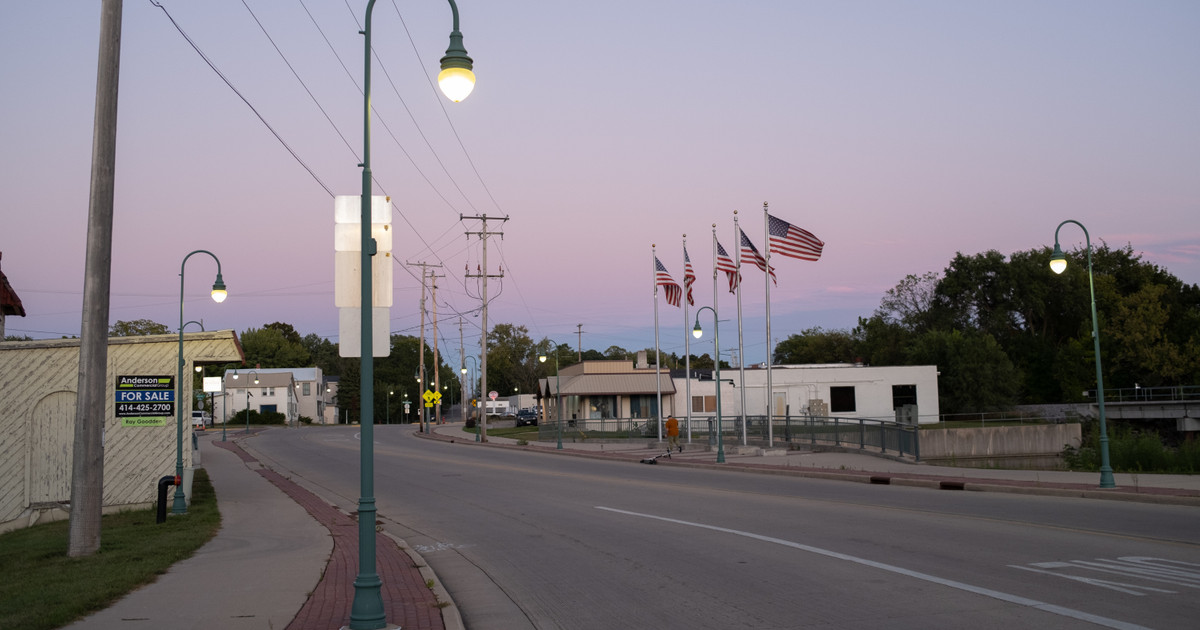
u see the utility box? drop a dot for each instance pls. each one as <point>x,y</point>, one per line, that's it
<point>818,407</point>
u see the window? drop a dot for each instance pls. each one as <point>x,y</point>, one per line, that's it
<point>841,399</point>
<point>704,404</point>
<point>307,389</point>
<point>903,395</point>
<point>643,406</point>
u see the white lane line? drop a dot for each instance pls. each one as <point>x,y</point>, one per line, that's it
<point>978,590</point>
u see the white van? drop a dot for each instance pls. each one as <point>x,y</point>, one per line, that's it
<point>200,420</point>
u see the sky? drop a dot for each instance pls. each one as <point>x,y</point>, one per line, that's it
<point>900,133</point>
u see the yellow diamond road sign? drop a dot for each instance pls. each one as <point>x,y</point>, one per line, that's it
<point>432,397</point>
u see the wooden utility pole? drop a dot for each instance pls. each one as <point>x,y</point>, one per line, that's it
<point>579,346</point>
<point>87,471</point>
<point>483,390</point>
<point>421,346</point>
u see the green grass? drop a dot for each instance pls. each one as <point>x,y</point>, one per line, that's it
<point>43,589</point>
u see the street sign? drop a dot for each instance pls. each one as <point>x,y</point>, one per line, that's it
<point>493,395</point>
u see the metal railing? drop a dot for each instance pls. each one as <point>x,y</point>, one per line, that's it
<point>867,434</point>
<point>1149,394</point>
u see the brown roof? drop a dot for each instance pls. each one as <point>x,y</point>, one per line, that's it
<point>10,304</point>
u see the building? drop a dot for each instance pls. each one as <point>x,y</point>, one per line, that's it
<point>842,390</point>
<point>37,420</point>
<point>602,390</point>
<point>260,390</point>
<point>313,392</point>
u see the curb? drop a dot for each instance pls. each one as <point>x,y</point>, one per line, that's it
<point>1160,496</point>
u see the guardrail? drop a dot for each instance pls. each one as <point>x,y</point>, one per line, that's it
<point>871,434</point>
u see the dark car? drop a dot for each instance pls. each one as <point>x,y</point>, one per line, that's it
<point>527,417</point>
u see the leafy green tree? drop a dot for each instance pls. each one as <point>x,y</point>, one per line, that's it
<point>289,333</point>
<point>616,353</point>
<point>136,328</point>
<point>270,348</point>
<point>975,374</point>
<point>817,345</point>
<point>324,353</point>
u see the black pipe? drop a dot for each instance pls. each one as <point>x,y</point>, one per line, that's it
<point>163,484</point>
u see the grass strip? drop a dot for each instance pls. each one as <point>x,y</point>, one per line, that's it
<point>45,589</point>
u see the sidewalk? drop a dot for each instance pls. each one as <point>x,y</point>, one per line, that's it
<point>283,558</point>
<point>853,466</point>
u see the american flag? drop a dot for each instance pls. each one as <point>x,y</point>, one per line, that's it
<point>725,263</point>
<point>751,252</point>
<point>663,279</point>
<point>689,277</point>
<point>789,240</point>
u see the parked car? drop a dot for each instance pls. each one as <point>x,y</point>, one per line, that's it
<point>527,417</point>
<point>201,419</point>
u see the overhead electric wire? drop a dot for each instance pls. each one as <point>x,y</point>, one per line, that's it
<point>241,96</point>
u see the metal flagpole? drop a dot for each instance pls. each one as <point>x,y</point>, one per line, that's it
<point>657,354</point>
<point>770,350</point>
<point>737,238</point>
<point>687,344</point>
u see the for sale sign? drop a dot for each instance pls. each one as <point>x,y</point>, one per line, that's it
<point>145,400</point>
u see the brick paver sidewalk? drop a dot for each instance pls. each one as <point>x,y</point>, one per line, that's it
<point>407,601</point>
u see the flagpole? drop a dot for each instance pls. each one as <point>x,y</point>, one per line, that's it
<point>687,344</point>
<point>770,350</point>
<point>737,235</point>
<point>716,350</point>
<point>657,353</point>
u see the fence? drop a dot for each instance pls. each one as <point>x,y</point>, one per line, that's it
<point>861,433</point>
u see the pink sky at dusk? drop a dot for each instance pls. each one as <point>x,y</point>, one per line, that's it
<point>899,133</point>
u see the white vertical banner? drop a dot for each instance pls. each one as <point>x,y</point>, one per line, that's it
<point>347,276</point>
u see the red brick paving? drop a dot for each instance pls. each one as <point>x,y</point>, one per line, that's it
<point>407,601</point>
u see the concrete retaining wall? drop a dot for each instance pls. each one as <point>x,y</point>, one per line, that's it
<point>1035,444</point>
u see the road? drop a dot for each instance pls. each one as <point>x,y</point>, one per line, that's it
<point>535,540</point>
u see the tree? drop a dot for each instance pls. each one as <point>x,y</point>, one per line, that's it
<point>270,348</point>
<point>816,345</point>
<point>910,303</point>
<point>137,328</point>
<point>323,353</point>
<point>975,374</point>
<point>286,330</point>
<point>616,353</point>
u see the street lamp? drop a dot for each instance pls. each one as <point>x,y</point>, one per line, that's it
<point>697,332</point>
<point>248,395</point>
<point>475,370</point>
<point>557,392</point>
<point>456,80</point>
<point>179,504</point>
<point>388,408</point>
<point>1058,264</point>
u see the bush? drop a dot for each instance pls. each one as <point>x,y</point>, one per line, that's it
<point>305,420</point>
<point>1133,451</point>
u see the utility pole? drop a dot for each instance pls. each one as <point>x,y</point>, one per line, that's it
<point>462,359</point>
<point>579,346</point>
<point>437,372</point>
<point>87,470</point>
<point>483,235</point>
<point>421,346</point>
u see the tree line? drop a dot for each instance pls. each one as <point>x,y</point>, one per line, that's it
<point>1007,330</point>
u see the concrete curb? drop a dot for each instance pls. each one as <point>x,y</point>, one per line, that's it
<point>1161,496</point>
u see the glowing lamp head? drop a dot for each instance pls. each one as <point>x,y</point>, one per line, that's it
<point>696,332</point>
<point>542,358</point>
<point>218,291</point>
<point>456,78</point>
<point>456,83</point>
<point>1058,262</point>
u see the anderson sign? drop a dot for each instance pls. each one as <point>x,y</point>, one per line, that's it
<point>145,400</point>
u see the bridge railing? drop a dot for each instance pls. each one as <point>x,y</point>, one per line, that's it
<point>883,436</point>
<point>1177,393</point>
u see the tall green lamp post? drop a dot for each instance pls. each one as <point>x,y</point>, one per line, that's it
<point>557,392</point>
<point>1058,264</point>
<point>179,501</point>
<point>456,80</point>
<point>474,370</point>
<point>697,333</point>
